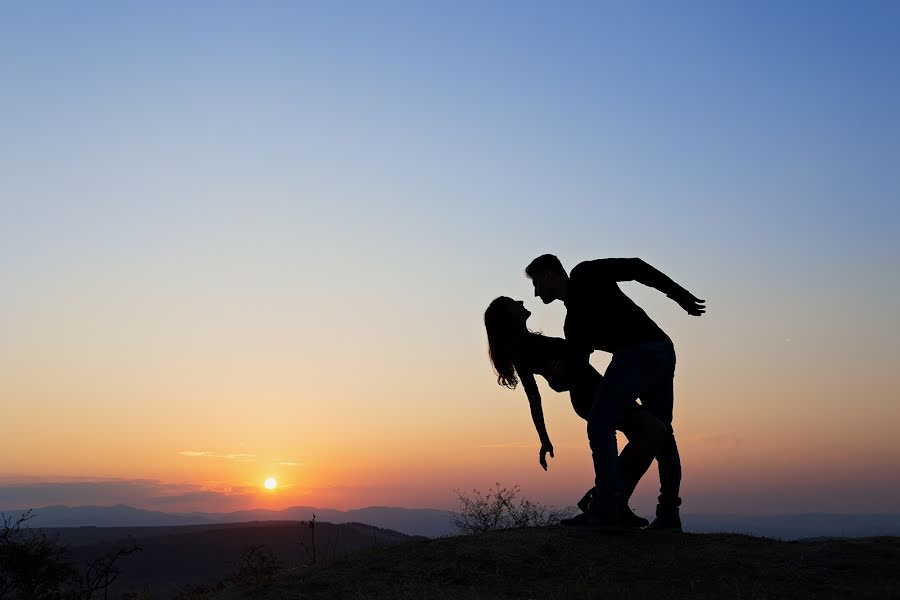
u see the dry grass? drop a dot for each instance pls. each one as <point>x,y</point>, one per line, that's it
<point>551,563</point>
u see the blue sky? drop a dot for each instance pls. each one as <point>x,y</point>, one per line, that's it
<point>718,120</point>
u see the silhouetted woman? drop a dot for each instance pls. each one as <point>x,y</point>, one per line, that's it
<point>518,354</point>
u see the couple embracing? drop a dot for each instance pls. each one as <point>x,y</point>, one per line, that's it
<point>599,316</point>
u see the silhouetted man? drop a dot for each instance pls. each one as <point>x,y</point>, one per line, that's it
<point>599,316</point>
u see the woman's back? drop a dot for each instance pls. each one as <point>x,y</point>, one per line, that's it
<point>553,359</point>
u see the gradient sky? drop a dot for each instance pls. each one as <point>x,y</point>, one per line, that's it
<point>251,239</point>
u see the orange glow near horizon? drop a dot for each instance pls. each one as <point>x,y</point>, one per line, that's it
<point>429,441</point>
<point>730,471</point>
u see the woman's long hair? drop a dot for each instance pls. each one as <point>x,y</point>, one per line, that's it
<point>503,334</point>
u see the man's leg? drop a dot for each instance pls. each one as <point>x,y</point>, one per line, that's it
<point>658,398</point>
<point>669,462</point>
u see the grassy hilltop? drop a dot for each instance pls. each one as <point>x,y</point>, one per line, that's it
<point>558,563</point>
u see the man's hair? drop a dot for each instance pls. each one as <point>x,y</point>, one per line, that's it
<point>543,264</point>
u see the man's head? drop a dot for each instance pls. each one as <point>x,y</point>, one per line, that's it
<point>549,278</point>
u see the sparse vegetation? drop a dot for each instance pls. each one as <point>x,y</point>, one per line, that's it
<point>556,563</point>
<point>311,549</point>
<point>256,565</point>
<point>34,566</point>
<point>194,592</point>
<point>524,562</point>
<point>501,508</point>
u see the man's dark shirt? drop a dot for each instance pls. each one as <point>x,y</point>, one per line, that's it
<point>599,316</point>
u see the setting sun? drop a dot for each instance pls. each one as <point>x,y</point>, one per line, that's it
<point>270,483</point>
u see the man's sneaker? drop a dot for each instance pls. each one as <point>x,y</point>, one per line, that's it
<point>594,520</point>
<point>667,519</point>
<point>629,520</point>
<point>585,503</point>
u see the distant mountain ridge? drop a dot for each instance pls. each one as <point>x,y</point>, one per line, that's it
<point>434,522</point>
<point>798,526</point>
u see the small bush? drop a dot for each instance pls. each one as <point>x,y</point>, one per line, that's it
<point>501,508</point>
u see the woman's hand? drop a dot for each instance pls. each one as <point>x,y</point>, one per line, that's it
<point>546,447</point>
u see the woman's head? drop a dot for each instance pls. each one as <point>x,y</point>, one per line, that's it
<point>504,321</point>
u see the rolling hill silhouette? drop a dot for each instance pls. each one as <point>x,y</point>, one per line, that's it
<point>172,558</point>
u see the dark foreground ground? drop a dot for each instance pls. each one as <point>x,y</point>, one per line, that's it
<point>549,563</point>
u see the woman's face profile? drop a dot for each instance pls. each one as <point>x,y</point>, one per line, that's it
<point>517,311</point>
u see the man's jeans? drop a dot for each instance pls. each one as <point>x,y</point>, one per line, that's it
<point>644,371</point>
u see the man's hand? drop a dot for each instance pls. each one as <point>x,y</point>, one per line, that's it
<point>690,303</point>
<point>545,448</point>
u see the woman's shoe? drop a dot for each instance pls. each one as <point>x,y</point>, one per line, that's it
<point>585,503</point>
<point>594,520</point>
<point>629,520</point>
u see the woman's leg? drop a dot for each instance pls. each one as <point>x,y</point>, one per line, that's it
<point>581,393</point>
<point>623,382</point>
<point>643,431</point>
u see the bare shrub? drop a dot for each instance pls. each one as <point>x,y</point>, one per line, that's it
<point>32,565</point>
<point>37,567</point>
<point>311,524</point>
<point>102,572</point>
<point>501,508</point>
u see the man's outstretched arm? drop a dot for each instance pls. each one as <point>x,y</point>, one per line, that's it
<point>653,277</point>
<point>635,269</point>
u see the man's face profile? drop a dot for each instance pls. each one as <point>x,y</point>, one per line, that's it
<point>543,286</point>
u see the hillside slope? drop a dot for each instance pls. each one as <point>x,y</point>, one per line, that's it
<point>172,558</point>
<point>558,563</point>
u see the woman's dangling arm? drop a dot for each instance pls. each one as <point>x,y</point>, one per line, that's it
<point>537,415</point>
